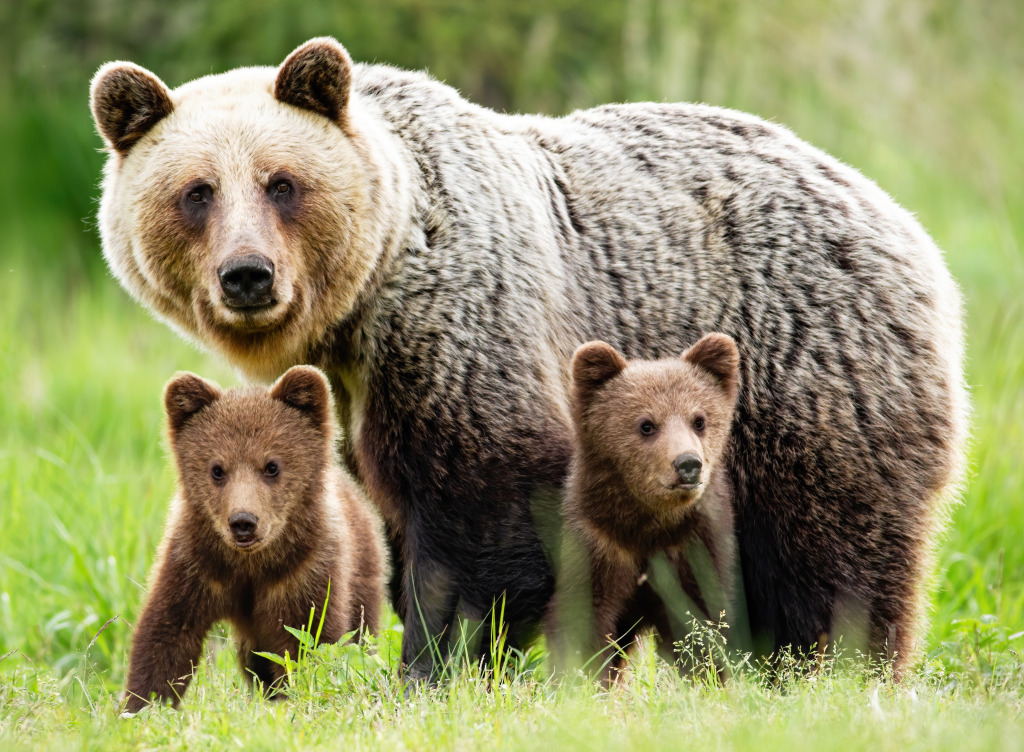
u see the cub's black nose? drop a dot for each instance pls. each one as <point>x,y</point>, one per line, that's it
<point>243,526</point>
<point>247,281</point>
<point>687,468</point>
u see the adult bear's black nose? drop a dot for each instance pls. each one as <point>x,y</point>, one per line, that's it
<point>243,526</point>
<point>247,281</point>
<point>687,468</point>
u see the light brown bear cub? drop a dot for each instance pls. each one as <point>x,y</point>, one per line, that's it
<point>649,477</point>
<point>263,520</point>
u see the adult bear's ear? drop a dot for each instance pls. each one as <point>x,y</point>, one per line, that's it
<point>305,388</point>
<point>184,396</point>
<point>317,76</point>
<point>126,101</point>
<point>593,365</point>
<point>718,355</point>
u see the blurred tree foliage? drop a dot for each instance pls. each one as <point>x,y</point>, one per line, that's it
<point>878,82</point>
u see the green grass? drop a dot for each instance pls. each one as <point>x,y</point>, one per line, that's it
<point>345,697</point>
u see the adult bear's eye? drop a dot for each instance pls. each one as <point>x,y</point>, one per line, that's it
<point>271,469</point>
<point>647,428</point>
<point>199,194</point>
<point>282,186</point>
<point>285,195</point>
<point>698,423</point>
<point>217,472</point>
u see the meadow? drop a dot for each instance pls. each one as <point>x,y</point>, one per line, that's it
<point>928,102</point>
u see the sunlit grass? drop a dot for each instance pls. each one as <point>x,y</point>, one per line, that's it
<point>344,696</point>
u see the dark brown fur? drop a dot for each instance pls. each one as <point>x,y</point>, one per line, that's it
<point>132,103</point>
<point>317,77</point>
<point>313,529</point>
<point>626,503</point>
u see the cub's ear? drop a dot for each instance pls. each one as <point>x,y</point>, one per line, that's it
<point>593,364</point>
<point>185,395</point>
<point>718,355</point>
<point>305,388</point>
<point>127,101</point>
<point>317,76</point>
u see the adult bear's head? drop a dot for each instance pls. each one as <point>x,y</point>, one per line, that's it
<point>250,208</point>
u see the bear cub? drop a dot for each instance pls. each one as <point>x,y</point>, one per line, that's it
<point>263,522</point>
<point>649,480</point>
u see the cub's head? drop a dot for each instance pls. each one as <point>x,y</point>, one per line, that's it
<point>658,426</point>
<point>249,459</point>
<point>244,208</point>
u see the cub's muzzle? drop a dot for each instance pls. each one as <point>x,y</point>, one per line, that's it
<point>688,467</point>
<point>243,528</point>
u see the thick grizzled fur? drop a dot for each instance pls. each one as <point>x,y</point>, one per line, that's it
<point>648,477</point>
<point>263,458</point>
<point>441,262</point>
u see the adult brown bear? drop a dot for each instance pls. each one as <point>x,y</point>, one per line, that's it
<point>441,262</point>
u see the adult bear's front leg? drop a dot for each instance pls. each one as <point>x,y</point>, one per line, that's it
<point>429,601</point>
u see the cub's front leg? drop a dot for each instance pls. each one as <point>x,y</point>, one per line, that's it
<point>613,584</point>
<point>169,637</point>
<point>262,673</point>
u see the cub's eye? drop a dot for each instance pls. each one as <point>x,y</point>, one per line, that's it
<point>217,472</point>
<point>647,428</point>
<point>271,469</point>
<point>281,187</point>
<point>698,423</point>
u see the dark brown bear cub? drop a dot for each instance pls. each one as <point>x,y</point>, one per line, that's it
<point>262,522</point>
<point>649,479</point>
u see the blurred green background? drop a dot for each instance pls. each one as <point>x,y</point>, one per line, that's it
<point>927,98</point>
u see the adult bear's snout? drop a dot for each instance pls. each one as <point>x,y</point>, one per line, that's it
<point>247,281</point>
